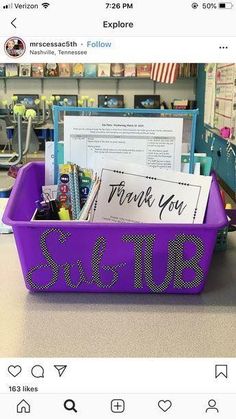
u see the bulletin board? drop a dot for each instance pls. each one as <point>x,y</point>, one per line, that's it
<point>225,75</point>
<point>220,97</point>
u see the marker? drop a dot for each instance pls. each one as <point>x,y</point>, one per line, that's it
<point>64,215</point>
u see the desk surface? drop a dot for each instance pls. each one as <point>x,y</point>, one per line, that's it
<point>54,325</point>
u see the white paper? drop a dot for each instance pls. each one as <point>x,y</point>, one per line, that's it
<point>131,193</point>
<point>49,162</point>
<point>209,107</point>
<point>185,168</point>
<point>49,192</point>
<point>152,142</point>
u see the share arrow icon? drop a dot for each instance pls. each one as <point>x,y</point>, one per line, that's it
<point>60,369</point>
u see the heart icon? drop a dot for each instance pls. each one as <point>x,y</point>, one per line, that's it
<point>164,405</point>
<point>14,370</point>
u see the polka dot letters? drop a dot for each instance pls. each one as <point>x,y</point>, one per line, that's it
<point>144,247</point>
<point>193,263</point>
<point>98,252</point>
<point>51,263</point>
<point>105,276</point>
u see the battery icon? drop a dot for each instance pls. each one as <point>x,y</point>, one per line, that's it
<point>226,5</point>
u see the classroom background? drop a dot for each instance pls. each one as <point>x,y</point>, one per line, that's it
<point>209,87</point>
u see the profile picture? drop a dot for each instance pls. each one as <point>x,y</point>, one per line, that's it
<point>14,47</point>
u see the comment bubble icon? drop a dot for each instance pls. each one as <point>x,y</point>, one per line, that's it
<point>37,371</point>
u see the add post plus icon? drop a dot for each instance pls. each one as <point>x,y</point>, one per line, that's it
<point>117,406</point>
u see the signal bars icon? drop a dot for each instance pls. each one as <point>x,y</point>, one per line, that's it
<point>8,6</point>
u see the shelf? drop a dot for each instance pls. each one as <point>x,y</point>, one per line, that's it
<point>78,80</point>
<point>87,78</point>
<point>216,132</point>
<point>74,78</point>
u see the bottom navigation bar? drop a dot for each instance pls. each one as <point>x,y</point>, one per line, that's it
<point>132,406</point>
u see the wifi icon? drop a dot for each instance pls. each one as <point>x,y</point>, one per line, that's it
<point>45,5</point>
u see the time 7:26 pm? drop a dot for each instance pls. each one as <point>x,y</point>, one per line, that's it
<point>119,6</point>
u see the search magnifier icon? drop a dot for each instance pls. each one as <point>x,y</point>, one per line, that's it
<point>70,405</point>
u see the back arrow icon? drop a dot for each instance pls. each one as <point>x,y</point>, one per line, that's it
<point>12,22</point>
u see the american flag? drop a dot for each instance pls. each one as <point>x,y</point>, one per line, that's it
<point>165,73</point>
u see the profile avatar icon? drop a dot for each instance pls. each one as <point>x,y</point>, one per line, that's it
<point>212,406</point>
<point>14,47</point>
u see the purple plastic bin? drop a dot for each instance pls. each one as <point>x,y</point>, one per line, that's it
<point>89,257</point>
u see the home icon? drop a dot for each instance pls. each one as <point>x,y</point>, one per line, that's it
<point>23,407</point>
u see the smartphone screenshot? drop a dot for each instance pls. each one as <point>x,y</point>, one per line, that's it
<point>117,209</point>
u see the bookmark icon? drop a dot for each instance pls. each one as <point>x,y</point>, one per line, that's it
<point>60,369</point>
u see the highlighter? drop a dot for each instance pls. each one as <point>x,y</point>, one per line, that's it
<point>64,214</point>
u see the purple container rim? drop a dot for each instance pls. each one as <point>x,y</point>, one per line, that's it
<point>35,224</point>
